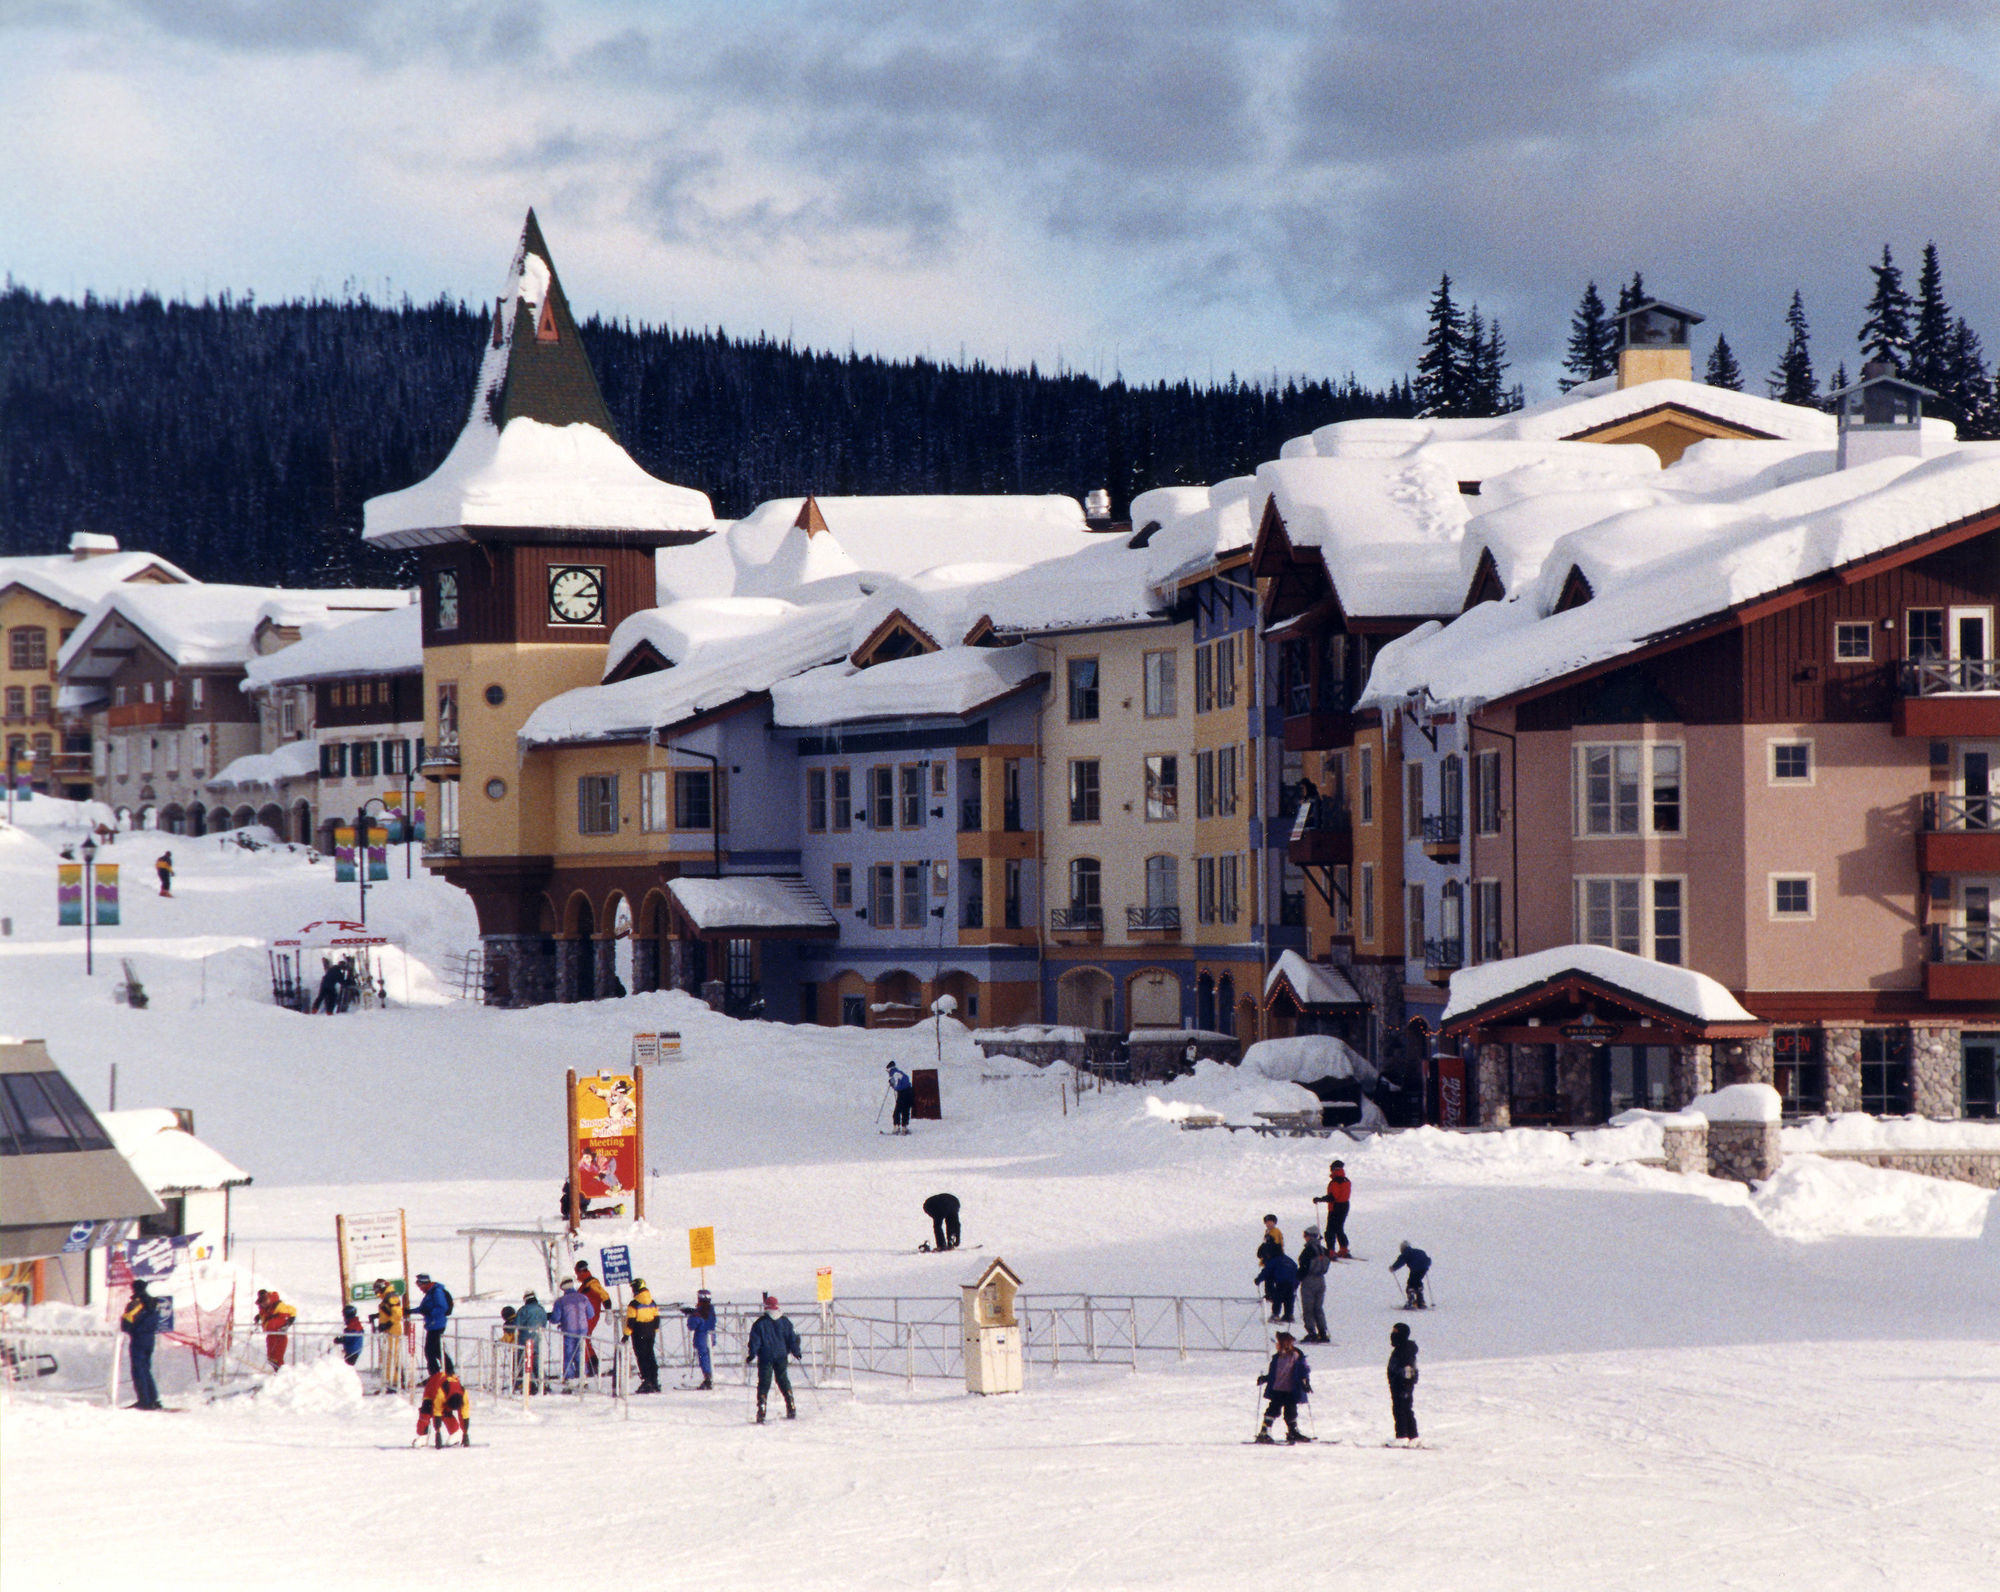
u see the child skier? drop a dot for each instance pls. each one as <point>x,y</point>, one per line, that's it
<point>701,1322</point>
<point>1287,1383</point>
<point>1420,1265</point>
<point>443,1402</point>
<point>529,1321</point>
<point>164,867</point>
<point>773,1340</point>
<point>276,1318</point>
<point>1280,1279</point>
<point>352,1338</point>
<point>1403,1381</point>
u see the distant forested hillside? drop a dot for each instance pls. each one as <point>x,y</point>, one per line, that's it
<point>241,439</point>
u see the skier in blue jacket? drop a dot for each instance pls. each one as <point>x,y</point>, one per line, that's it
<point>906,1098</point>
<point>773,1340</point>
<point>1420,1265</point>
<point>435,1308</point>
<point>1287,1383</point>
<point>701,1322</point>
<point>572,1316</point>
<point>1280,1278</point>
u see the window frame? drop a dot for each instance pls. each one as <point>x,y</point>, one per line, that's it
<point>843,884</point>
<point>910,796</point>
<point>913,896</point>
<point>1843,629</point>
<point>816,801</point>
<point>882,893</point>
<point>1364,786</point>
<point>1486,806</point>
<point>1163,787</point>
<point>1227,760</point>
<point>1084,696</point>
<point>1228,887</point>
<point>1485,905</point>
<point>1159,675</point>
<point>1368,919</point>
<point>1413,800</point>
<point>1910,633</point>
<point>1086,790</point>
<point>840,787</point>
<point>596,800</point>
<point>1791,743</point>
<point>655,801</point>
<point>1775,887</point>
<point>685,780</point>
<point>881,796</point>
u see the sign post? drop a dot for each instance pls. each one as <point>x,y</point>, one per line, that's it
<point>606,1140</point>
<point>701,1250</point>
<point>371,1246</point>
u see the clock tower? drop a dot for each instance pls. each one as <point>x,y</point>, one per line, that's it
<point>534,538</point>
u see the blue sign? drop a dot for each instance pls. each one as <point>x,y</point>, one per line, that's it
<point>166,1314</point>
<point>79,1237</point>
<point>616,1263</point>
<point>152,1257</point>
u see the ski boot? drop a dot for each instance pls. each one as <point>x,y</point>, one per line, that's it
<point>791,1409</point>
<point>760,1412</point>
<point>1264,1435</point>
<point>707,1385</point>
<point>1297,1437</point>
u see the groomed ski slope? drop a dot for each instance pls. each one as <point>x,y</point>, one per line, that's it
<point>1634,1380</point>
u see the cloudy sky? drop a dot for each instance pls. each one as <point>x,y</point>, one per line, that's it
<point>1174,188</point>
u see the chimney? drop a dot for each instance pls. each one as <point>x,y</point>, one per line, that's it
<point>1097,509</point>
<point>1653,343</point>
<point>1881,416</point>
<point>88,544</point>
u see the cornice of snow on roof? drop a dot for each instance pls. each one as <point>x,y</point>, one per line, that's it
<point>386,643</point>
<point>77,584</point>
<point>952,682</point>
<point>1732,565</point>
<point>203,624</point>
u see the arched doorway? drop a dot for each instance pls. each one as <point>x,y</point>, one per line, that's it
<point>899,1000</point>
<point>1204,1004</point>
<point>172,820</point>
<point>616,957</point>
<point>197,819</point>
<point>302,824</point>
<point>272,817</point>
<point>851,1000</point>
<point>1153,999</point>
<point>963,988</point>
<point>1225,1003</point>
<point>1085,998</point>
<point>243,818</point>
<point>649,939</point>
<point>579,950</point>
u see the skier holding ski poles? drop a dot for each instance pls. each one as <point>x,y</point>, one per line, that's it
<point>1287,1383</point>
<point>906,1099</point>
<point>1339,1194</point>
<point>1420,1266</point>
<point>1313,1266</point>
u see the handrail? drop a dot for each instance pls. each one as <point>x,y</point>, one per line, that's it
<point>1948,676</point>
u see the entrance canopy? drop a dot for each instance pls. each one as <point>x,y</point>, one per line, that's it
<point>1591,994</point>
<point>333,934</point>
<point>1310,986</point>
<point>752,907</point>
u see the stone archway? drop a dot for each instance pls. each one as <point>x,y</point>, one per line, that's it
<point>173,821</point>
<point>899,1000</point>
<point>963,988</point>
<point>1086,998</point>
<point>649,939</point>
<point>272,817</point>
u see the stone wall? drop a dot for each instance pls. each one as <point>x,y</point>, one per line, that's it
<point>1684,1148</point>
<point>1163,1054</point>
<point>1936,1072</point>
<point>1744,1061</point>
<point>1489,1088</point>
<point>1843,1069</point>
<point>1981,1167</point>
<point>1576,1082</point>
<point>1095,1049</point>
<point>1690,1072</point>
<point>1748,1152</point>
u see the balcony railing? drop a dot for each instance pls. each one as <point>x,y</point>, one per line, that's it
<point>1443,829</point>
<point>132,715</point>
<point>1076,920</point>
<point>969,813</point>
<point>1946,813</point>
<point>1321,814</point>
<point>1139,919</point>
<point>1291,909</point>
<point>444,754</point>
<point>441,846</point>
<point>1299,698</point>
<point>1949,676</point>
<point>1952,944</point>
<point>1444,953</point>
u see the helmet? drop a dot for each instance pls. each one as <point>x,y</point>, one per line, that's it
<point>1312,1232</point>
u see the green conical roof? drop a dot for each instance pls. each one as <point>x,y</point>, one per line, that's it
<point>545,374</point>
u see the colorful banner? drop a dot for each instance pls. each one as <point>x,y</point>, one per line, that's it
<point>378,860</point>
<point>401,828</point>
<point>107,895</point>
<point>69,895</point>
<point>606,1152</point>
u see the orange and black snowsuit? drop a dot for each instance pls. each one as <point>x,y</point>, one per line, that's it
<point>443,1401</point>
<point>600,1301</point>
<point>276,1318</point>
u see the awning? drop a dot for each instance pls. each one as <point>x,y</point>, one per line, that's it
<point>753,906</point>
<point>333,934</point>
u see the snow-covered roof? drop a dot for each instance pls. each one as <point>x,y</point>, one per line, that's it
<point>1308,1058</point>
<point>538,449</point>
<point>390,642</point>
<point>165,1156</point>
<point>293,760</point>
<point>1313,983</point>
<point>197,624</point>
<point>1668,560</point>
<point>873,537</point>
<point>77,583</point>
<point>750,901</point>
<point>949,682</point>
<point>1678,989</point>
<point>731,650</point>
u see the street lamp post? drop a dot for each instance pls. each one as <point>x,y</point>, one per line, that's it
<point>89,850</point>
<point>361,849</point>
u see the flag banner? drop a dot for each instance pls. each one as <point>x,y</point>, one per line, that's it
<point>107,895</point>
<point>378,859</point>
<point>69,895</point>
<point>343,855</point>
<point>396,821</point>
<point>606,1152</point>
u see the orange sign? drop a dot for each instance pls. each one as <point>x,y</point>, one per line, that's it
<point>606,1147</point>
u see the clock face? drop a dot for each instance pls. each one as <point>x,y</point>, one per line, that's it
<point>447,600</point>
<point>576,594</point>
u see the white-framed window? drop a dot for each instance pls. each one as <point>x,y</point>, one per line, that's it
<point>1631,788</point>
<point>843,799</point>
<point>1161,693</point>
<point>1853,640</point>
<point>1645,915</point>
<point>655,791</point>
<point>197,692</point>
<point>1792,762</point>
<point>1163,789</point>
<point>882,797</point>
<point>1792,898</point>
<point>911,804</point>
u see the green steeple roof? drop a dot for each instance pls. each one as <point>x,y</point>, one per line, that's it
<point>545,374</point>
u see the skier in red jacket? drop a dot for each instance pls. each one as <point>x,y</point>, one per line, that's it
<point>1339,1193</point>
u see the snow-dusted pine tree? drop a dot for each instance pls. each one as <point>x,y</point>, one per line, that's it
<point>1885,334</point>
<point>1593,352</point>
<point>1723,371</point>
<point>1793,381</point>
<point>1930,338</point>
<point>1444,368</point>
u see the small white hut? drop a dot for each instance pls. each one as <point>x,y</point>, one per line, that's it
<point>190,1179</point>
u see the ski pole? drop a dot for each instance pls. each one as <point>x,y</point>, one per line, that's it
<point>878,1110</point>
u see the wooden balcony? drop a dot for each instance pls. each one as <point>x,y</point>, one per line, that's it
<point>1960,834</point>
<point>1962,964</point>
<point>1322,834</point>
<point>1441,836</point>
<point>1949,699</point>
<point>135,715</point>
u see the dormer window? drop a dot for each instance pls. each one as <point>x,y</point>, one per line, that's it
<point>545,327</point>
<point>1575,592</point>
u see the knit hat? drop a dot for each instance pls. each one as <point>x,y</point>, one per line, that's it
<point>1339,1166</point>
<point>1312,1232</point>
<point>701,1293</point>
<point>1286,1337</point>
<point>770,1301</point>
<point>1400,1332</point>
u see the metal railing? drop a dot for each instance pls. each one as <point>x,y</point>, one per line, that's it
<point>1944,812</point>
<point>1321,814</point>
<point>1140,918</point>
<point>970,812</point>
<point>1443,829</point>
<point>441,845</point>
<point>441,754</point>
<point>1945,676</point>
<point>1444,953</point>
<point>1075,920</point>
<point>1950,943</point>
